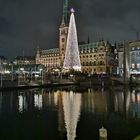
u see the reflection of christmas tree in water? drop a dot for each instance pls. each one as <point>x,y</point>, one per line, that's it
<point>72,59</point>
<point>71,107</point>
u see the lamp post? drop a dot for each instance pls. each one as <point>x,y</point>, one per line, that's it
<point>12,78</point>
<point>1,79</point>
<point>1,71</point>
<point>42,76</point>
<point>41,72</point>
<point>31,75</point>
<point>18,79</point>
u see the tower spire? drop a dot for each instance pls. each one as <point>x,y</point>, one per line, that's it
<point>65,12</point>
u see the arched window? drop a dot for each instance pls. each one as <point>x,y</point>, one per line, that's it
<point>90,63</point>
<point>94,63</point>
<point>63,39</point>
<point>102,63</point>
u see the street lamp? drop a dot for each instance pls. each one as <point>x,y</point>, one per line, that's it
<point>18,78</point>
<point>41,71</point>
<point>12,78</point>
<point>1,76</point>
<point>31,75</point>
<point>1,79</point>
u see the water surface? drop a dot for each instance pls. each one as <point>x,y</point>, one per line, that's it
<point>70,113</point>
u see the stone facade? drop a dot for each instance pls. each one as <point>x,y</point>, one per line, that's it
<point>26,60</point>
<point>95,57</point>
<point>132,54</point>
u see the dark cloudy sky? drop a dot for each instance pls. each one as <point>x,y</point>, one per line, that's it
<point>26,23</point>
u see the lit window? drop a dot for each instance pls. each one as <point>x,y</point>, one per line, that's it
<point>94,63</point>
<point>138,65</point>
<point>90,63</point>
<point>133,54</point>
<point>133,65</point>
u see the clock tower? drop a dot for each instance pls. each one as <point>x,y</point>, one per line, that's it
<point>63,32</point>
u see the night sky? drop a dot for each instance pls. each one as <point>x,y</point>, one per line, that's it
<point>24,24</point>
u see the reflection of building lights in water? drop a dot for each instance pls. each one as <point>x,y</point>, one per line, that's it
<point>135,97</point>
<point>0,101</point>
<point>128,99</point>
<point>71,95</point>
<point>38,101</point>
<point>56,97</point>
<point>122,101</point>
<point>119,101</point>
<point>71,106</point>
<point>135,104</point>
<point>22,104</point>
<point>20,98</point>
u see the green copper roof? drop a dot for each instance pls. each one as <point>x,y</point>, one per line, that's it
<point>89,46</point>
<point>92,45</point>
<point>50,51</point>
<point>65,11</point>
<point>83,48</point>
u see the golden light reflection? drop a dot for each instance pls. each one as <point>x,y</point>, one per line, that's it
<point>71,106</point>
<point>38,101</point>
<point>22,103</point>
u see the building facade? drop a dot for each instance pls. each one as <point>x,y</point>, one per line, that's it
<point>26,60</point>
<point>49,58</point>
<point>95,57</point>
<point>135,57</point>
<point>131,57</point>
<point>4,60</point>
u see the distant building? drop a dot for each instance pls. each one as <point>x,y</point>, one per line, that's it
<point>132,56</point>
<point>3,60</point>
<point>48,58</point>
<point>95,57</point>
<point>26,60</point>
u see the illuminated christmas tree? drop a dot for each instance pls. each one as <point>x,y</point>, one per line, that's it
<point>72,59</point>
